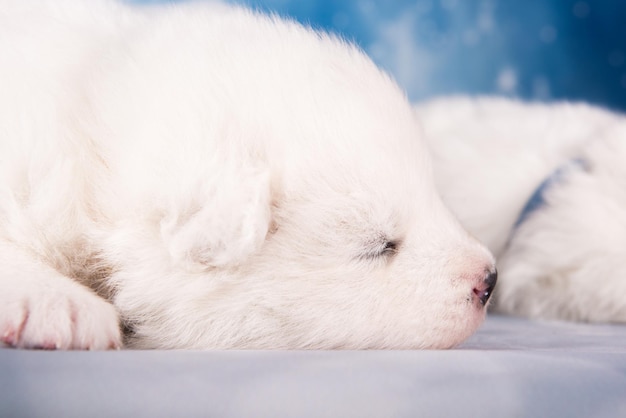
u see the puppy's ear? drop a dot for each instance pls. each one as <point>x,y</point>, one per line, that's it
<point>222,220</point>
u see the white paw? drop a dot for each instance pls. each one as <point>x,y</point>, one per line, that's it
<point>68,317</point>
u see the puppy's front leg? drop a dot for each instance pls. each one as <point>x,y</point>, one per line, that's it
<point>41,308</point>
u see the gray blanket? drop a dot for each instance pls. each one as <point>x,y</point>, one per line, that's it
<point>510,368</point>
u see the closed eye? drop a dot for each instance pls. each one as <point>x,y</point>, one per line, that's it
<point>383,249</point>
<point>390,248</point>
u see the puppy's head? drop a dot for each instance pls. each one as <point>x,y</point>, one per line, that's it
<point>350,245</point>
<point>311,219</point>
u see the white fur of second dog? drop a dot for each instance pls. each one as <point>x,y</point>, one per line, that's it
<point>567,259</point>
<point>224,179</point>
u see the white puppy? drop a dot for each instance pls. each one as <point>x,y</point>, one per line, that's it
<point>544,186</point>
<point>224,180</point>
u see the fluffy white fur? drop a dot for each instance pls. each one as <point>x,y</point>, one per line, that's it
<point>567,259</point>
<point>224,180</point>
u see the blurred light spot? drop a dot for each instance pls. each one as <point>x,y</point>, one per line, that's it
<point>616,58</point>
<point>366,8</point>
<point>423,7</point>
<point>541,88</point>
<point>581,9</point>
<point>547,34</point>
<point>341,20</point>
<point>470,37</point>
<point>485,22</point>
<point>397,49</point>
<point>507,80</point>
<point>449,5</point>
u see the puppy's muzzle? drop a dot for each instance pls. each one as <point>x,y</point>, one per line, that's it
<point>485,289</point>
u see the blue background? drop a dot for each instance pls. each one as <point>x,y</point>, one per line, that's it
<point>535,49</point>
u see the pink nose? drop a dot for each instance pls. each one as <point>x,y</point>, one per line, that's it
<point>485,289</point>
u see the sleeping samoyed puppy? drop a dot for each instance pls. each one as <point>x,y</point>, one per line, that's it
<point>544,186</point>
<point>207,177</point>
